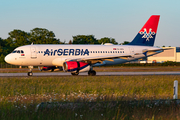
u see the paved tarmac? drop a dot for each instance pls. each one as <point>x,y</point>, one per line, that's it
<point>85,74</point>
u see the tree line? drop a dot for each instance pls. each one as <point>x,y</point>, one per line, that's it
<point>43,36</point>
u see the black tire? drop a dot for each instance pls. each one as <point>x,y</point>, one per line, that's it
<point>92,73</point>
<point>52,69</point>
<point>74,74</point>
<point>30,74</point>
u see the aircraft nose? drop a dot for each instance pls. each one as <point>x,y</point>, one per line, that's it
<point>8,58</point>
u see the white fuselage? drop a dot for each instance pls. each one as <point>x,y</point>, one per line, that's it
<point>55,55</point>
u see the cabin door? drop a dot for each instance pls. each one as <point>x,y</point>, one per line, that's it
<point>33,53</point>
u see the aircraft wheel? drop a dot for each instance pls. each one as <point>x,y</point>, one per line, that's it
<point>52,69</point>
<point>30,73</point>
<point>92,73</point>
<point>74,74</point>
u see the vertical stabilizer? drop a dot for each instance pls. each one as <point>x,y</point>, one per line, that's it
<point>146,36</point>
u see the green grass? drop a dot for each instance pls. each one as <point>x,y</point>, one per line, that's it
<point>142,86</point>
<point>20,95</point>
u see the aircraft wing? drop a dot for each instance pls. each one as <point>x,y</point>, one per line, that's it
<point>157,50</point>
<point>111,57</point>
<point>101,58</point>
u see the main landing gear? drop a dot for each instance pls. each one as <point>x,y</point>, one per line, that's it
<point>92,73</point>
<point>30,71</point>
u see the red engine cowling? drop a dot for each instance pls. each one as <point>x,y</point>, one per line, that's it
<point>74,66</point>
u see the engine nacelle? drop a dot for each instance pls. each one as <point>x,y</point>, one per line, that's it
<point>74,66</point>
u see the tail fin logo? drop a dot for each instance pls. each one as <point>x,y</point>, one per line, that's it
<point>147,35</point>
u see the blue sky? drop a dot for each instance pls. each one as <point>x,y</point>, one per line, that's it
<point>119,19</point>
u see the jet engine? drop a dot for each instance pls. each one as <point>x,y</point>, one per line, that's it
<point>76,67</point>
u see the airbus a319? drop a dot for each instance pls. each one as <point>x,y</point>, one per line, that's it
<point>82,58</point>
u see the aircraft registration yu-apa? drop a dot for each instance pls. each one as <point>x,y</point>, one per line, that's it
<point>82,58</point>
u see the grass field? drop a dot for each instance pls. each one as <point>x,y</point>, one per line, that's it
<point>20,95</point>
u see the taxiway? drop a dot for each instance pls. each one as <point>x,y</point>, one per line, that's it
<point>85,74</point>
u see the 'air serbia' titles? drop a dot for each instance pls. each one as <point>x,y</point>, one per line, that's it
<point>65,52</point>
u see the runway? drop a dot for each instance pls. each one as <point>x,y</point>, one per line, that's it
<point>39,74</point>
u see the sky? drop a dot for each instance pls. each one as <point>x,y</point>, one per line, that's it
<point>118,19</point>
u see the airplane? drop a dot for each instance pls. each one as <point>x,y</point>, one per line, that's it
<point>82,58</point>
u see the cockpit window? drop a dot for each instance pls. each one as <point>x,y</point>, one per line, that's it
<point>14,51</point>
<point>18,51</point>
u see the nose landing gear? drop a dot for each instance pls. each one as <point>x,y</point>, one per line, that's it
<point>30,71</point>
